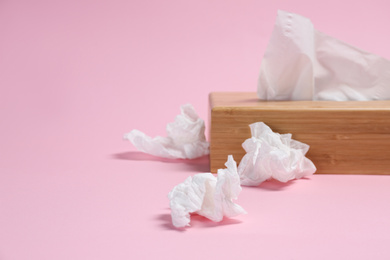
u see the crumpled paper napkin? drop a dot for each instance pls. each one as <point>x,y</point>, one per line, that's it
<point>207,195</point>
<point>272,155</point>
<point>185,138</point>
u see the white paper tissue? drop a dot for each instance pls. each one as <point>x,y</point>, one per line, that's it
<point>272,155</point>
<point>207,195</point>
<point>185,140</point>
<point>301,63</point>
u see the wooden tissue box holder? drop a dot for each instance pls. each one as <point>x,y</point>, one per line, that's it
<point>351,137</point>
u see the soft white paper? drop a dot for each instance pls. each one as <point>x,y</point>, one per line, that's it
<point>207,195</point>
<point>272,155</point>
<point>301,63</point>
<point>185,138</point>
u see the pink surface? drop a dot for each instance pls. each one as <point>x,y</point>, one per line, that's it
<point>76,75</point>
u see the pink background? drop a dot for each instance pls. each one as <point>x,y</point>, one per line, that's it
<point>76,75</point>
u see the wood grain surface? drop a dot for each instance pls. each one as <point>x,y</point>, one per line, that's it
<point>351,137</point>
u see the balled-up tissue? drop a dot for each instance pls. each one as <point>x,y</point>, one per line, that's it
<point>207,195</point>
<point>301,63</point>
<point>185,140</point>
<point>272,155</point>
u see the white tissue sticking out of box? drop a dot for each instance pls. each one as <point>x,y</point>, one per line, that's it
<point>185,140</point>
<point>301,63</point>
<point>207,195</point>
<point>272,155</point>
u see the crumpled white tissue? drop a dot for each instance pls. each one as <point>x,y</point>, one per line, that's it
<point>207,195</point>
<point>272,155</point>
<point>185,140</point>
<point>301,63</point>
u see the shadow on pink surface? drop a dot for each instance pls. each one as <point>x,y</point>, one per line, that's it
<point>275,185</point>
<point>199,164</point>
<point>197,221</point>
